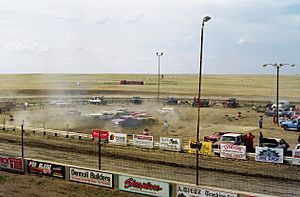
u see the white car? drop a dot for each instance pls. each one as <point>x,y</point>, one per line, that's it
<point>105,115</point>
<point>97,101</point>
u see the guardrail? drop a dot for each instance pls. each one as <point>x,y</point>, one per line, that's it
<point>115,180</point>
<point>80,135</point>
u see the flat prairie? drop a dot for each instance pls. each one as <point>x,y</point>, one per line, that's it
<point>246,87</point>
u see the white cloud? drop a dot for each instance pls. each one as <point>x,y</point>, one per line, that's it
<point>97,20</point>
<point>242,41</point>
<point>133,18</point>
<point>27,46</point>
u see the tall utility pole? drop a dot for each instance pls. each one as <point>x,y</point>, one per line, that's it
<point>205,19</point>
<point>277,66</point>
<point>158,54</point>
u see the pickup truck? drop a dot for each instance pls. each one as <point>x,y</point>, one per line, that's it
<point>291,124</point>
<point>229,138</point>
<point>97,101</point>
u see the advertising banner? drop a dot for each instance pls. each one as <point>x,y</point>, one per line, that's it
<point>103,134</point>
<point>143,141</point>
<point>91,177</point>
<point>173,144</point>
<point>117,139</point>
<point>206,148</point>
<point>265,154</point>
<point>191,191</point>
<point>296,157</point>
<point>144,186</point>
<point>190,150</point>
<point>11,163</point>
<point>46,169</point>
<point>233,151</point>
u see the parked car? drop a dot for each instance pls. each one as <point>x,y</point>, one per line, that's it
<point>297,147</point>
<point>293,124</point>
<point>230,138</point>
<point>136,100</point>
<point>215,136</point>
<point>281,104</point>
<point>97,100</point>
<point>231,103</point>
<point>286,112</point>
<point>275,143</point>
<point>270,113</point>
<point>170,101</point>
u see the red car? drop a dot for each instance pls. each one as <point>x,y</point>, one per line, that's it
<point>215,136</point>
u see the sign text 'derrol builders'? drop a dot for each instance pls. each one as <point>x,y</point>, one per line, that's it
<point>144,186</point>
<point>91,177</point>
<point>190,191</point>
<point>143,141</point>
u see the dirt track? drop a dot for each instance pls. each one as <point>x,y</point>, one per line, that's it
<point>269,178</point>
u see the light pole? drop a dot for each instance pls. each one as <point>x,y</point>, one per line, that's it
<point>277,66</point>
<point>205,19</point>
<point>159,54</point>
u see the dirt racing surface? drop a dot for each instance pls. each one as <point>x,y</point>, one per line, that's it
<point>17,185</point>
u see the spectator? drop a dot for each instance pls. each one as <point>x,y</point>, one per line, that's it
<point>250,138</point>
<point>166,126</point>
<point>246,142</point>
<point>260,139</point>
<point>146,131</point>
<point>283,145</point>
<point>261,119</point>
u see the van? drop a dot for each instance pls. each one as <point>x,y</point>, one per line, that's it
<point>281,104</point>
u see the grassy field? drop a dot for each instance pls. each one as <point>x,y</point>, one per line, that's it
<point>249,87</point>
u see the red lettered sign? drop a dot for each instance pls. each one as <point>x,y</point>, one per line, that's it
<point>103,134</point>
<point>11,163</point>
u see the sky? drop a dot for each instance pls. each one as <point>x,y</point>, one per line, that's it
<point>123,36</point>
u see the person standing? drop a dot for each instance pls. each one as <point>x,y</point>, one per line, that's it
<point>250,138</point>
<point>166,126</point>
<point>261,120</point>
<point>246,141</point>
<point>260,139</point>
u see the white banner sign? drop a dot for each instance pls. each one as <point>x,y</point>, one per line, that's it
<point>91,177</point>
<point>144,186</point>
<point>117,138</point>
<point>189,191</point>
<point>273,155</point>
<point>173,144</point>
<point>143,141</point>
<point>233,151</point>
<point>296,157</point>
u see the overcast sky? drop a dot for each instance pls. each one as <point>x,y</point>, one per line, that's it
<point>122,36</point>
